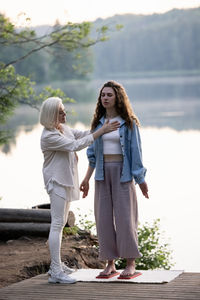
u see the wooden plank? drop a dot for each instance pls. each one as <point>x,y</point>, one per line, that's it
<point>184,287</point>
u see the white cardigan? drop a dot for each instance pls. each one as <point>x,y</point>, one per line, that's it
<point>60,165</point>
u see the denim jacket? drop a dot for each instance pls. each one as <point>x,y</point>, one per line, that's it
<point>131,150</point>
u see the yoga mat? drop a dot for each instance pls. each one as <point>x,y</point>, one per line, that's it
<point>149,276</point>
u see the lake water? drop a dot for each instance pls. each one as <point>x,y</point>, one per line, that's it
<point>169,110</point>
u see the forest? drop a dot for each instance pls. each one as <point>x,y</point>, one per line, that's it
<point>158,43</point>
<point>154,44</point>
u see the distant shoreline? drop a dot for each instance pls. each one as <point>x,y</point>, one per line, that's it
<point>151,74</point>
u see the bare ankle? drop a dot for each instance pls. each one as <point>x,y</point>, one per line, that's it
<point>131,262</point>
<point>111,263</point>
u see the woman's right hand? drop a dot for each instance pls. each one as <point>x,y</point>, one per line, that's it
<point>110,126</point>
<point>84,187</point>
<point>107,127</point>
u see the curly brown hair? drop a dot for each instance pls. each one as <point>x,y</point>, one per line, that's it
<point>122,106</point>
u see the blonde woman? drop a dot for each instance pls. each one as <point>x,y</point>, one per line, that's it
<point>59,143</point>
<point>117,157</point>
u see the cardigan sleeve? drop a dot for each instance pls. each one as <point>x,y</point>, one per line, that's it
<point>79,133</point>
<point>53,140</point>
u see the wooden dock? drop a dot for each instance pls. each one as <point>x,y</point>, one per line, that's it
<point>184,287</point>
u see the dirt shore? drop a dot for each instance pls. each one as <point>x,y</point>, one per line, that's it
<point>29,256</point>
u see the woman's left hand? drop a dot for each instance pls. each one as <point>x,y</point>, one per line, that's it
<point>144,188</point>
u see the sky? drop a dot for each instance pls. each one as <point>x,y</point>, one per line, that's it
<point>48,11</point>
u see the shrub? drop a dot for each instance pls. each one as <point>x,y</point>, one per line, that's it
<point>85,224</point>
<point>70,230</point>
<point>155,254</point>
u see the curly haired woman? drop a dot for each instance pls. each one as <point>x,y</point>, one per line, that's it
<point>117,157</point>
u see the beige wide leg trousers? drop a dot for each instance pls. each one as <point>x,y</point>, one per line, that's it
<point>116,215</point>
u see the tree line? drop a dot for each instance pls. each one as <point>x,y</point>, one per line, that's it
<point>158,42</point>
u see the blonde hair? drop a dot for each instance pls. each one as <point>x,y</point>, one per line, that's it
<point>49,112</point>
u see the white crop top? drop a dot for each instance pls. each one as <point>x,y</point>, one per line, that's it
<point>111,142</point>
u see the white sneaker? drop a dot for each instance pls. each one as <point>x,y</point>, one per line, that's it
<point>65,269</point>
<point>60,278</point>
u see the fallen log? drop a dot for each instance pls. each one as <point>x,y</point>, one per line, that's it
<point>43,206</point>
<point>15,223</point>
<point>13,230</point>
<point>25,215</point>
<point>31,215</point>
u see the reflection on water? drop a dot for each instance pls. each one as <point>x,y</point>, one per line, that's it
<point>24,119</point>
<point>176,114</point>
<point>173,102</point>
<point>164,88</point>
<point>179,114</point>
<point>171,146</point>
<point>160,102</point>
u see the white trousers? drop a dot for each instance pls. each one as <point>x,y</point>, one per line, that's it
<point>59,215</point>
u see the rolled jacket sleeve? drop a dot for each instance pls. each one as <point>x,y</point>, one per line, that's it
<point>91,156</point>
<point>137,168</point>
